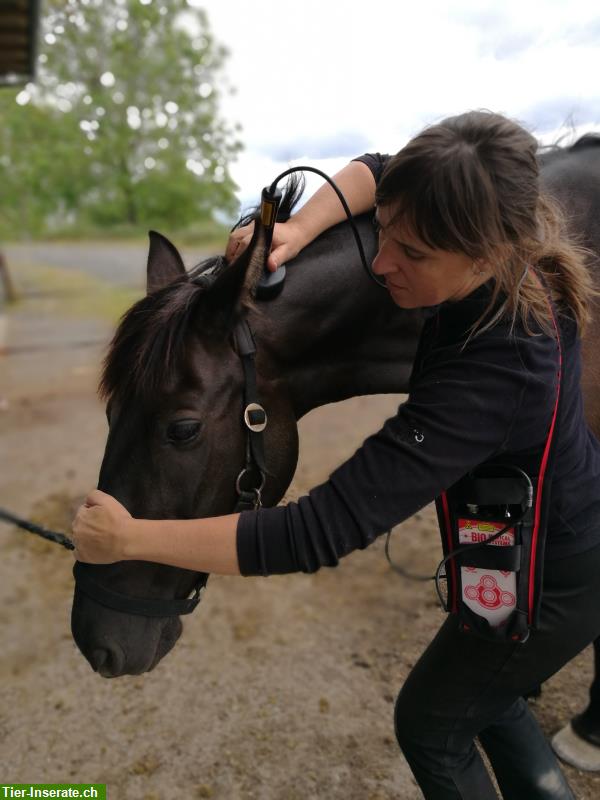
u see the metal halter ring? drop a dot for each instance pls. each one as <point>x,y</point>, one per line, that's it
<point>257,489</point>
<point>255,427</point>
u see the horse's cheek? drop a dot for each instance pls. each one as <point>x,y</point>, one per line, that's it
<point>281,447</point>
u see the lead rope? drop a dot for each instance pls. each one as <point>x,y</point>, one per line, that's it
<point>39,530</point>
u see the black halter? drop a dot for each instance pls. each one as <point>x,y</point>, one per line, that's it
<point>249,485</point>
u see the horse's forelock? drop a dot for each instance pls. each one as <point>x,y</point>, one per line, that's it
<point>291,196</point>
<point>151,337</point>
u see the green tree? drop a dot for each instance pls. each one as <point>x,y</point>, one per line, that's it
<point>36,176</point>
<point>130,92</point>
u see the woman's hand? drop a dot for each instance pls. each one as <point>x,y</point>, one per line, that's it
<point>100,529</point>
<point>288,239</point>
<point>322,210</point>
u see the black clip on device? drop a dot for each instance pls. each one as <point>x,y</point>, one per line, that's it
<point>270,283</point>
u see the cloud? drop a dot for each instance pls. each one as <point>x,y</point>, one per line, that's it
<point>509,45</point>
<point>586,34</point>
<point>496,33</point>
<point>562,112</point>
<point>342,143</point>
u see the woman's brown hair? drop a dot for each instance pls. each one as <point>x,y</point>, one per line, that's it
<point>470,184</point>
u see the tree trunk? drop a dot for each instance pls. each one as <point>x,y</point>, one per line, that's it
<point>9,288</point>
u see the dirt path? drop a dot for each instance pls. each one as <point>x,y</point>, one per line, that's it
<point>279,689</point>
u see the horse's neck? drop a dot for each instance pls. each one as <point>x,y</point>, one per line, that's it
<point>333,333</point>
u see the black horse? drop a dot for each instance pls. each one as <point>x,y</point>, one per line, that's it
<point>174,385</point>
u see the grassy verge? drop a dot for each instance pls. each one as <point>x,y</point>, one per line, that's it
<point>210,237</point>
<point>55,290</point>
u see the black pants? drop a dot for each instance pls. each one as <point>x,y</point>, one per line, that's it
<point>463,687</point>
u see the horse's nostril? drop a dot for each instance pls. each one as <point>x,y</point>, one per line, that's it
<point>107,662</point>
<point>98,659</point>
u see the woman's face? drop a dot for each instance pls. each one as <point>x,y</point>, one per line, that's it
<point>417,276</point>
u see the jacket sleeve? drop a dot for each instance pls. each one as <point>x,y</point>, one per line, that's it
<point>459,413</point>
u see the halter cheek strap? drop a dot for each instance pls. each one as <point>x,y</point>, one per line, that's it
<point>251,480</point>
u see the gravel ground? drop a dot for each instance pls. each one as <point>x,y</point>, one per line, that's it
<point>278,689</point>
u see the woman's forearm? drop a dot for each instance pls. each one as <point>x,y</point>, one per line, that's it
<point>202,545</point>
<point>357,184</point>
<point>320,212</point>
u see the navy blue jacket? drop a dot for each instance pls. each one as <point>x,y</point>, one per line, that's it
<point>491,399</point>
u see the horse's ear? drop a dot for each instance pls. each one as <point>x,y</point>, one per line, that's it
<point>257,258</point>
<point>236,286</point>
<point>164,263</point>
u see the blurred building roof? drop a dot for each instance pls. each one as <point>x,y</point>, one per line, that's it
<point>18,37</point>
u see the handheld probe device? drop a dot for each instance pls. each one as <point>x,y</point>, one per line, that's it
<point>271,283</point>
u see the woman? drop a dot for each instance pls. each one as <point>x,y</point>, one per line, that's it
<point>465,235</point>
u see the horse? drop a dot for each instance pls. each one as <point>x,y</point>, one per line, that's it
<point>175,385</point>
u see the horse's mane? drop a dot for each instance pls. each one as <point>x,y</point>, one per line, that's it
<point>291,196</point>
<point>587,140</point>
<point>149,343</point>
<point>550,151</point>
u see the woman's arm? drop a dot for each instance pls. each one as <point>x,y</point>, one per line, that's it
<point>357,184</point>
<point>202,545</point>
<point>323,210</point>
<point>105,532</point>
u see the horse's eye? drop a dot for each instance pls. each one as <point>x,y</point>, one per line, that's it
<point>184,430</point>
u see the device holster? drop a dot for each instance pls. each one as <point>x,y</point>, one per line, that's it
<point>489,579</point>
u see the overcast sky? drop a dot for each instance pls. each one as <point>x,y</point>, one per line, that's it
<point>319,82</point>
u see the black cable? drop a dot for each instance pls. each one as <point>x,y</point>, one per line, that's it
<point>411,576</point>
<point>342,199</point>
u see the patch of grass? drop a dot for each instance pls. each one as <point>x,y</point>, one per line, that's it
<point>71,293</point>
<point>208,235</point>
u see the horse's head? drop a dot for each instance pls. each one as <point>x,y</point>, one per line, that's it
<point>175,384</point>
